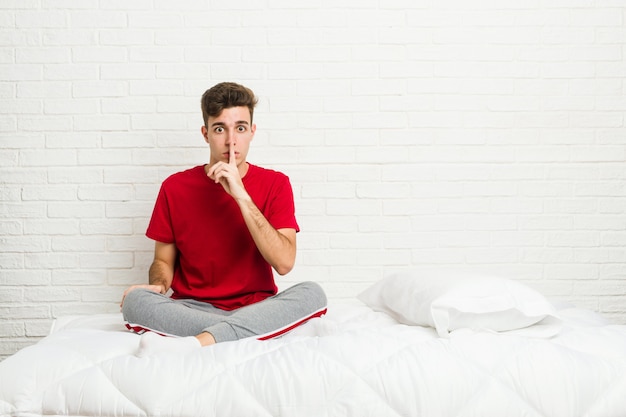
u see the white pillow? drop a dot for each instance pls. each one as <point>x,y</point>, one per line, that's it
<point>450,302</point>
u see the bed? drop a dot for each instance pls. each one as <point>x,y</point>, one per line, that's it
<point>406,346</point>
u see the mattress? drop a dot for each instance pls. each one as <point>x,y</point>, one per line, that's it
<point>354,361</point>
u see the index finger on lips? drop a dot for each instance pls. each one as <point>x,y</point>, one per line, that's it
<point>231,155</point>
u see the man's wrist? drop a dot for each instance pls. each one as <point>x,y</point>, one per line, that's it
<point>162,288</point>
<point>244,198</point>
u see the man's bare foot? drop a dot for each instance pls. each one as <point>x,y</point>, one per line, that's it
<point>206,339</point>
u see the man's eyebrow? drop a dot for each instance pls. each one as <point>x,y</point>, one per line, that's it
<point>240,122</point>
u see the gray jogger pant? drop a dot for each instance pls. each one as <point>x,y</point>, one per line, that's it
<point>146,310</point>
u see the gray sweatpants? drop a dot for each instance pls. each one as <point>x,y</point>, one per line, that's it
<point>147,310</point>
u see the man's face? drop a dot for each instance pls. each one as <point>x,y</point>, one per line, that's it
<point>231,128</point>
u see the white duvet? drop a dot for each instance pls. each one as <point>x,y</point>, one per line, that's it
<point>351,362</point>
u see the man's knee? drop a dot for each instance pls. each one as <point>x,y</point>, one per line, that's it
<point>314,293</point>
<point>133,302</point>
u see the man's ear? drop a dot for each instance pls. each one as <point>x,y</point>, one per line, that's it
<point>253,129</point>
<point>205,133</point>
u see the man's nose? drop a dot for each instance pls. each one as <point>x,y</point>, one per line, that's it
<point>230,137</point>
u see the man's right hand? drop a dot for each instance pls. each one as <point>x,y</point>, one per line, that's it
<point>156,288</point>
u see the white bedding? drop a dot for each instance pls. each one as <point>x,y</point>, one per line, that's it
<point>351,362</point>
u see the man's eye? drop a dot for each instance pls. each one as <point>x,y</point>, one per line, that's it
<point>219,130</point>
<point>241,128</point>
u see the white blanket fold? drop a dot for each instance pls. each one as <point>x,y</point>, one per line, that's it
<point>353,361</point>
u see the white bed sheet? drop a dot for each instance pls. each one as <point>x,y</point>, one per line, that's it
<point>351,362</point>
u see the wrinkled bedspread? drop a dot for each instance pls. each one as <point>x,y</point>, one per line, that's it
<point>352,362</point>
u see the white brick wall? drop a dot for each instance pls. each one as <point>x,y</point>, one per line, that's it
<point>486,135</point>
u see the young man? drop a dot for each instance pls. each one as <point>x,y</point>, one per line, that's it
<point>219,230</point>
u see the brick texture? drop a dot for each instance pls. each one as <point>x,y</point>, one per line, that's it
<point>482,135</point>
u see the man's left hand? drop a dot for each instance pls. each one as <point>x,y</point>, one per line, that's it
<point>228,175</point>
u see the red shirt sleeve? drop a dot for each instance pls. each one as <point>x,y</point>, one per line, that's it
<point>281,214</point>
<point>160,226</point>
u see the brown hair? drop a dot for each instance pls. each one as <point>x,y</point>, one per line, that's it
<point>226,95</point>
